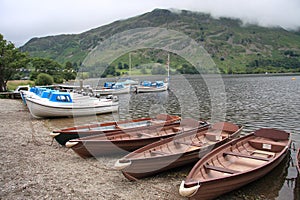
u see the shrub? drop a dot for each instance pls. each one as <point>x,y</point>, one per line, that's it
<point>44,79</point>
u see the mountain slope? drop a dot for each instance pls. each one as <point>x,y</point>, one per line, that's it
<point>235,48</point>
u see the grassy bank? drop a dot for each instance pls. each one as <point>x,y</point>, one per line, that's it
<point>13,84</point>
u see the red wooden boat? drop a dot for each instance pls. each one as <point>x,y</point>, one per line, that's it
<point>66,134</point>
<point>175,151</point>
<point>123,142</point>
<point>236,163</point>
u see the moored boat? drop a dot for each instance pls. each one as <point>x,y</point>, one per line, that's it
<point>114,143</point>
<point>112,88</point>
<point>148,86</point>
<point>236,164</point>
<point>66,134</point>
<point>61,104</point>
<point>176,151</point>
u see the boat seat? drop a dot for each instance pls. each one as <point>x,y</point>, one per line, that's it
<point>271,154</point>
<point>200,144</point>
<point>177,129</point>
<point>267,145</point>
<point>144,134</point>
<point>157,153</point>
<point>213,136</point>
<point>220,169</point>
<point>245,156</point>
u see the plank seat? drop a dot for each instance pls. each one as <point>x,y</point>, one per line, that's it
<point>157,153</point>
<point>213,136</point>
<point>268,153</point>
<point>145,134</point>
<point>246,156</point>
<point>268,142</point>
<point>268,145</point>
<point>221,169</point>
<point>200,144</point>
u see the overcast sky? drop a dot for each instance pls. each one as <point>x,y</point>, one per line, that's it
<point>21,20</point>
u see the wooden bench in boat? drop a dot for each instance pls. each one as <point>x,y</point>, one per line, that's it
<point>144,134</point>
<point>246,156</point>
<point>220,169</point>
<point>272,146</point>
<point>200,144</point>
<point>157,153</point>
<point>213,136</point>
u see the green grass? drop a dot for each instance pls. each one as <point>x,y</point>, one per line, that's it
<point>13,84</point>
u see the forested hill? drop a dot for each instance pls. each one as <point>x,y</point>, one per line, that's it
<point>235,48</point>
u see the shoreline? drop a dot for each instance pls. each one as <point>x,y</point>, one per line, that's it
<point>34,169</point>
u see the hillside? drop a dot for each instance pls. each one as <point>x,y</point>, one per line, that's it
<point>235,48</point>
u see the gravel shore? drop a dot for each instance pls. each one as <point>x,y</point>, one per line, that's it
<point>33,168</point>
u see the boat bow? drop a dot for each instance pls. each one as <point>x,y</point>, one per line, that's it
<point>53,135</point>
<point>71,144</point>
<point>188,192</point>
<point>122,164</point>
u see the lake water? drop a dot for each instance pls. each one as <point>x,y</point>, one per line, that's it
<point>253,101</point>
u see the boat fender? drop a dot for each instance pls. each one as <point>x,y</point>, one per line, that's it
<point>115,98</point>
<point>71,144</point>
<point>122,165</point>
<point>188,192</point>
<point>53,135</point>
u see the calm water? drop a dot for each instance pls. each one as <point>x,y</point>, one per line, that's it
<point>253,101</point>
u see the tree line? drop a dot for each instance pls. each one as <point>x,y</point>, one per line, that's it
<point>15,64</point>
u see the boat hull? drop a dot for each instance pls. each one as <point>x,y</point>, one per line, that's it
<point>40,110</point>
<point>121,143</point>
<point>125,90</point>
<point>64,135</point>
<point>216,188</point>
<point>144,167</point>
<point>86,149</point>
<point>145,89</point>
<point>236,164</point>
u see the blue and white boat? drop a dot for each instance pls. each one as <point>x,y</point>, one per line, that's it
<point>156,86</point>
<point>61,104</point>
<point>148,86</point>
<point>112,88</point>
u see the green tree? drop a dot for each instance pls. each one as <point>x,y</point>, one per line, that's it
<point>11,59</point>
<point>44,79</point>
<point>48,66</point>
<point>69,72</point>
<point>120,66</point>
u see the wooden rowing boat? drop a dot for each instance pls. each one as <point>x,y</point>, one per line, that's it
<point>176,151</point>
<point>236,163</point>
<point>66,134</point>
<point>129,141</point>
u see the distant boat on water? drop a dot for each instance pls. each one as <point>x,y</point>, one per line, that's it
<point>112,88</point>
<point>148,86</point>
<point>156,86</point>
